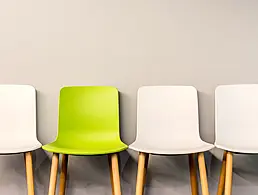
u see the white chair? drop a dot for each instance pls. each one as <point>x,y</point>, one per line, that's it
<point>18,125</point>
<point>236,126</point>
<point>168,124</point>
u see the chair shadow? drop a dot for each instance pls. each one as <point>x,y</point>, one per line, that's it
<point>206,116</point>
<point>163,172</point>
<point>126,102</point>
<point>84,173</point>
<point>245,170</point>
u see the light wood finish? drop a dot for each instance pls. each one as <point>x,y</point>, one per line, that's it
<point>53,174</point>
<point>193,174</point>
<point>141,173</point>
<point>29,172</point>
<point>114,174</point>
<point>221,185</point>
<point>203,174</point>
<point>63,174</point>
<point>229,169</point>
<point>111,174</point>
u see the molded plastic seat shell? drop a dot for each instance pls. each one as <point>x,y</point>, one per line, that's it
<point>236,118</point>
<point>88,122</point>
<point>18,119</point>
<point>167,121</point>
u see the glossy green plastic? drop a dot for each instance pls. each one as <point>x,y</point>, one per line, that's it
<point>88,122</point>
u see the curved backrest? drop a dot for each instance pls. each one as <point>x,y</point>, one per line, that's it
<point>89,111</point>
<point>236,116</point>
<point>167,114</point>
<point>17,112</point>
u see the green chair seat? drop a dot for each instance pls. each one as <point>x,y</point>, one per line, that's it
<point>86,147</point>
<point>88,122</point>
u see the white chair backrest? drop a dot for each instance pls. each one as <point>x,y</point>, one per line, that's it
<point>17,112</point>
<point>236,117</point>
<point>167,115</point>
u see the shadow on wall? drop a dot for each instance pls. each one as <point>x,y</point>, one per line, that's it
<point>46,106</point>
<point>127,111</point>
<point>206,116</point>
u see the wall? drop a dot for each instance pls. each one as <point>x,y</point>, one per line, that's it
<point>127,44</point>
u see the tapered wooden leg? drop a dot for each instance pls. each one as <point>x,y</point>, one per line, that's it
<point>229,169</point>
<point>111,174</point>
<point>203,174</point>
<point>141,173</point>
<point>29,172</point>
<point>63,174</point>
<point>53,174</point>
<point>221,185</point>
<point>193,176</point>
<point>114,174</point>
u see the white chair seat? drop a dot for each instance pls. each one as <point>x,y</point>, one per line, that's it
<point>243,149</point>
<point>173,148</point>
<point>167,121</point>
<point>18,119</point>
<point>18,146</point>
<point>236,114</point>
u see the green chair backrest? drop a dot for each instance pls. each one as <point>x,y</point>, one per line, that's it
<point>88,111</point>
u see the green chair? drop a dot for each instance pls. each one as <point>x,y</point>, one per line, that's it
<point>88,125</point>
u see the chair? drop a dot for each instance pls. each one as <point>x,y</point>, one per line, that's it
<point>88,125</point>
<point>18,125</point>
<point>236,125</point>
<point>167,124</point>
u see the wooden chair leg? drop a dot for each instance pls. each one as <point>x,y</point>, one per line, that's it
<point>53,174</point>
<point>63,174</point>
<point>141,173</point>
<point>229,169</point>
<point>193,176</point>
<point>203,174</point>
<point>221,186</point>
<point>146,168</point>
<point>114,174</point>
<point>111,174</point>
<point>29,172</point>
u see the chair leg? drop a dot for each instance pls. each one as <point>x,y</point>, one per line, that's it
<point>141,173</point>
<point>221,186</point>
<point>229,169</point>
<point>29,172</point>
<point>53,174</point>
<point>193,172</point>
<point>203,174</point>
<point>63,174</point>
<point>111,174</point>
<point>114,174</point>
<point>146,168</point>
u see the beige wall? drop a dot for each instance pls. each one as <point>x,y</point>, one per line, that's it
<point>126,44</point>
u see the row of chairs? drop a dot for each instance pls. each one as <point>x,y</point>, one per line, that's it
<point>167,124</point>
